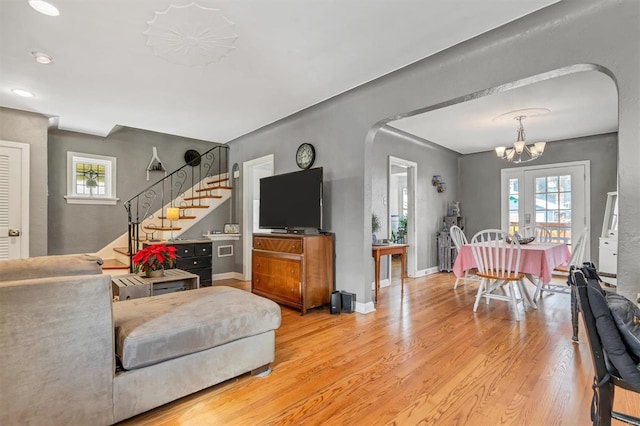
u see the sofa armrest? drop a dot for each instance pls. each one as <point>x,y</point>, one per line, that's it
<point>57,348</point>
<point>49,266</point>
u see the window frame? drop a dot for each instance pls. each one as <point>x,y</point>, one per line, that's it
<point>72,197</point>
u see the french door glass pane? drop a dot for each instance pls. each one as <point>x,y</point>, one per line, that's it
<point>553,206</point>
<point>514,211</point>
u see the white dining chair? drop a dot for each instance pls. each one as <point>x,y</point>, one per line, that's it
<point>577,257</point>
<point>497,257</point>
<point>542,234</point>
<point>459,239</point>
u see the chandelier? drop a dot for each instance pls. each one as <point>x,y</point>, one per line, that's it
<point>521,152</point>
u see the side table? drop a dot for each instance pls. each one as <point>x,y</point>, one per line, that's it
<point>133,286</point>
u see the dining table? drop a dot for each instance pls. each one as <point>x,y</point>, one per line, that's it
<point>537,261</point>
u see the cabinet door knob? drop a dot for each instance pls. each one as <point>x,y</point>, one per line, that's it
<point>258,280</point>
<point>293,247</point>
<point>292,271</point>
<point>257,265</point>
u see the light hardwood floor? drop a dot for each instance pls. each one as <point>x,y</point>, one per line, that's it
<point>422,358</point>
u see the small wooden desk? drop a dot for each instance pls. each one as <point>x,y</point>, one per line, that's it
<point>378,251</point>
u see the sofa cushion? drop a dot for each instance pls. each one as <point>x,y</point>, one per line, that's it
<point>50,266</point>
<point>155,329</point>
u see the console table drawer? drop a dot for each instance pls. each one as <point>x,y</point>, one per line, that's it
<point>282,245</point>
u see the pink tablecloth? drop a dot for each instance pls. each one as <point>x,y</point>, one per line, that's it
<point>537,259</point>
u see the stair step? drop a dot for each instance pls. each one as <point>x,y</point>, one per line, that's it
<point>163,228</point>
<point>122,250</point>
<point>181,217</point>
<point>113,264</point>
<point>218,181</point>
<point>193,207</point>
<point>213,188</point>
<point>202,197</point>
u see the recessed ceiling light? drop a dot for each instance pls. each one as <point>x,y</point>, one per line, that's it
<point>23,93</point>
<point>44,7</point>
<point>42,58</point>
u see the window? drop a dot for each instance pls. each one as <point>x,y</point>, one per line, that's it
<point>91,179</point>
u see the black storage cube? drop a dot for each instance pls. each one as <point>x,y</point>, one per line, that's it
<point>348,302</point>
<point>336,303</point>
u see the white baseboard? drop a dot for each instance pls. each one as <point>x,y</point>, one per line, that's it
<point>432,270</point>
<point>228,276</point>
<point>365,308</point>
<point>383,283</point>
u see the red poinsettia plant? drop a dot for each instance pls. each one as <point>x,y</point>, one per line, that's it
<point>154,257</point>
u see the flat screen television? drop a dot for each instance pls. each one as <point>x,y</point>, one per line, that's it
<point>292,201</point>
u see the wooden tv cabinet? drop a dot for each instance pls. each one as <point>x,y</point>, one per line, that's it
<point>294,270</point>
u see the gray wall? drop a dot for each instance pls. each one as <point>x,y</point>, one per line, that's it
<point>79,228</point>
<point>30,128</point>
<point>570,32</point>
<point>480,180</point>
<point>431,206</point>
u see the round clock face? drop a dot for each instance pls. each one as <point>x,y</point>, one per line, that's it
<point>305,156</point>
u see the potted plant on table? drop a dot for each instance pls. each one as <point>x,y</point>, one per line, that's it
<point>151,259</point>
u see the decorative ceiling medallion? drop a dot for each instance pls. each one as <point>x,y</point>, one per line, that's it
<point>190,35</point>
<point>508,117</point>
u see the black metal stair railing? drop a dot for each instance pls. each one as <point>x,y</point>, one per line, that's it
<point>188,183</point>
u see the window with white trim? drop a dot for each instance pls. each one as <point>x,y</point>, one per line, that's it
<point>91,179</point>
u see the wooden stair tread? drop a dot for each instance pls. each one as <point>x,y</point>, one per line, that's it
<point>213,188</point>
<point>122,250</point>
<point>181,217</point>
<point>193,207</point>
<point>164,228</point>
<point>113,264</point>
<point>202,197</point>
<point>218,181</point>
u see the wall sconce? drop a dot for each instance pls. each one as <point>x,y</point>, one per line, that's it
<point>438,183</point>
<point>173,213</point>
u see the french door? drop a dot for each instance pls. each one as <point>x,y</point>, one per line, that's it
<point>554,196</point>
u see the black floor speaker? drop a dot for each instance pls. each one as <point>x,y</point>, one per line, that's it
<point>348,302</point>
<point>336,303</point>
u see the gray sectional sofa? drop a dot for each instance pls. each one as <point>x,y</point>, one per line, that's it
<point>71,356</point>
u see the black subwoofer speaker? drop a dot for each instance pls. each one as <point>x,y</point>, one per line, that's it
<point>348,302</point>
<point>336,302</point>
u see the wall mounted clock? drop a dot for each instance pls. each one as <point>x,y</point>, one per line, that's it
<point>305,155</point>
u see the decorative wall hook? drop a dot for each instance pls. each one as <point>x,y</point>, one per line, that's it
<point>438,183</point>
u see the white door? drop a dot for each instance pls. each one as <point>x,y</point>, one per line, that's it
<point>406,197</point>
<point>554,196</point>
<point>252,172</point>
<point>14,195</point>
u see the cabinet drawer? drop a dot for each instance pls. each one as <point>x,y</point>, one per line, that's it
<point>279,286</point>
<point>283,245</point>
<point>608,243</point>
<point>203,250</point>
<point>185,250</point>
<point>193,263</point>
<point>279,277</point>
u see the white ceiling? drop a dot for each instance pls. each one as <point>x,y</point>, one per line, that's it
<point>288,55</point>
<point>581,104</point>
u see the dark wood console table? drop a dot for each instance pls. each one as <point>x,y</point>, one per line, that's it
<point>377,251</point>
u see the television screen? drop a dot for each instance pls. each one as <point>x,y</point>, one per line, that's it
<point>291,200</point>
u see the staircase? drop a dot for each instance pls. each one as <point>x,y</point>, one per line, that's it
<point>170,206</point>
